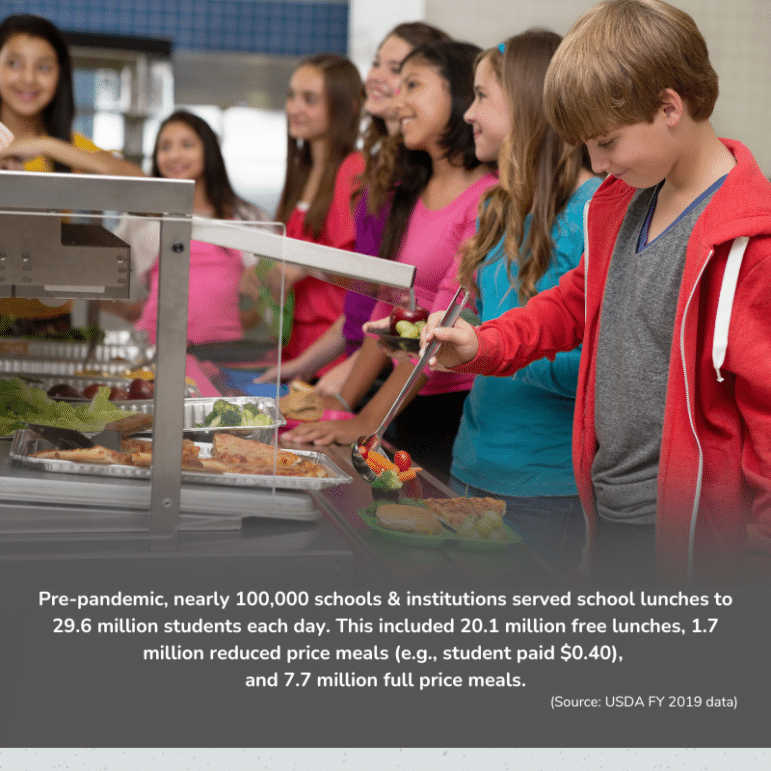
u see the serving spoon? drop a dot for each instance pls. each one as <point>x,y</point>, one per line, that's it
<point>372,442</point>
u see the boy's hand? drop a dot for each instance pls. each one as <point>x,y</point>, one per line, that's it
<point>459,343</point>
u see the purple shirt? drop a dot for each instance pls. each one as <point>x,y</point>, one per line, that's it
<point>358,307</point>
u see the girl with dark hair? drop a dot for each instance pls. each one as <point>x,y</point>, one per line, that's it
<point>187,148</point>
<point>372,207</point>
<point>514,439</point>
<point>38,107</point>
<point>323,105</point>
<point>213,196</point>
<point>434,210</point>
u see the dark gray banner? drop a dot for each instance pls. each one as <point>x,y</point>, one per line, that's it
<point>107,658</point>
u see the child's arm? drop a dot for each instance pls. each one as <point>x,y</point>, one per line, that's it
<point>551,322</point>
<point>370,417</point>
<point>369,363</point>
<point>90,162</point>
<point>327,348</point>
<point>292,274</point>
<point>459,342</point>
<point>332,381</point>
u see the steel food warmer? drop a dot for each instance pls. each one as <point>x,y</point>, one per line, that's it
<point>163,519</point>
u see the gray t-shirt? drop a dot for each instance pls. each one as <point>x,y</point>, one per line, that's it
<point>636,328</point>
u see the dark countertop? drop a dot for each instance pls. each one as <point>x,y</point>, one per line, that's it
<point>310,538</point>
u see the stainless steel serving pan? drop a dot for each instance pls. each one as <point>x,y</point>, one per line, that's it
<point>27,443</point>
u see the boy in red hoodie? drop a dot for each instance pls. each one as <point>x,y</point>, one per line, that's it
<point>671,301</point>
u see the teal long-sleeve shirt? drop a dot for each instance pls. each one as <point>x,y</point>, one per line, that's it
<point>514,437</point>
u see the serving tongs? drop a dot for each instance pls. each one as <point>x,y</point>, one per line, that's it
<point>109,437</point>
<point>372,442</point>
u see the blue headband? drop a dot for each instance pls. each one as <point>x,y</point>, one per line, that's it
<point>502,47</point>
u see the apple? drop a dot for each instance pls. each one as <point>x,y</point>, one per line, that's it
<point>140,389</point>
<point>89,392</point>
<point>404,314</point>
<point>118,395</point>
<point>64,391</point>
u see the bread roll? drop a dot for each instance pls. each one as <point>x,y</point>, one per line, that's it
<point>408,519</point>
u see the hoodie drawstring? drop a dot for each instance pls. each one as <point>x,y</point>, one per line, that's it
<point>725,303</point>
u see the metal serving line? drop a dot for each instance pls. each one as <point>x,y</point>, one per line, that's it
<point>45,253</point>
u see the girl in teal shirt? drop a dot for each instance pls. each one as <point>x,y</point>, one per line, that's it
<point>514,440</point>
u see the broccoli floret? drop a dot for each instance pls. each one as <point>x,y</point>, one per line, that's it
<point>225,414</point>
<point>249,414</point>
<point>387,480</point>
<point>253,417</point>
<point>214,418</point>
<point>251,409</point>
<point>230,417</point>
<point>220,406</point>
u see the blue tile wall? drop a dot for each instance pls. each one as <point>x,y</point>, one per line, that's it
<point>279,27</point>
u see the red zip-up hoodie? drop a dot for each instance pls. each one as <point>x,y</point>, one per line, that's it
<point>713,521</point>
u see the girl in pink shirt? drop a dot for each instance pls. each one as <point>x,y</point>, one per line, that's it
<point>187,148</point>
<point>370,210</point>
<point>434,210</point>
<point>323,106</point>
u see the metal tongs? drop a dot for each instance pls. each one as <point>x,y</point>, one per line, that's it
<point>110,437</point>
<point>372,442</point>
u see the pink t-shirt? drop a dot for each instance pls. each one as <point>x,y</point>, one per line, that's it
<point>213,314</point>
<point>431,244</point>
<point>319,304</point>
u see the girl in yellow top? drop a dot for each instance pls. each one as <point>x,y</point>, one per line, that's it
<point>37,104</point>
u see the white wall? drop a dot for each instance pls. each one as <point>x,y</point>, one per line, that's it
<point>738,34</point>
<point>371,20</point>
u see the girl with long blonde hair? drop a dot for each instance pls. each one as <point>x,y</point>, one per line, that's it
<point>514,439</point>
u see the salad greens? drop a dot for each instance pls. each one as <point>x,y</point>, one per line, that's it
<point>20,403</point>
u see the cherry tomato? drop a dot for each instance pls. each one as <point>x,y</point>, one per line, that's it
<point>402,460</point>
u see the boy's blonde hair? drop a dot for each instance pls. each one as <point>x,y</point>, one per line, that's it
<point>616,61</point>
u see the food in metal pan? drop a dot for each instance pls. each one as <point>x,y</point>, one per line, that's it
<point>230,454</point>
<point>96,454</point>
<point>20,403</point>
<point>246,456</point>
<point>226,413</point>
<point>140,452</point>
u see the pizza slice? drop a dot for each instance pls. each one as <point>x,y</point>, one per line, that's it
<point>141,453</point>
<point>246,456</point>
<point>238,450</point>
<point>97,454</point>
